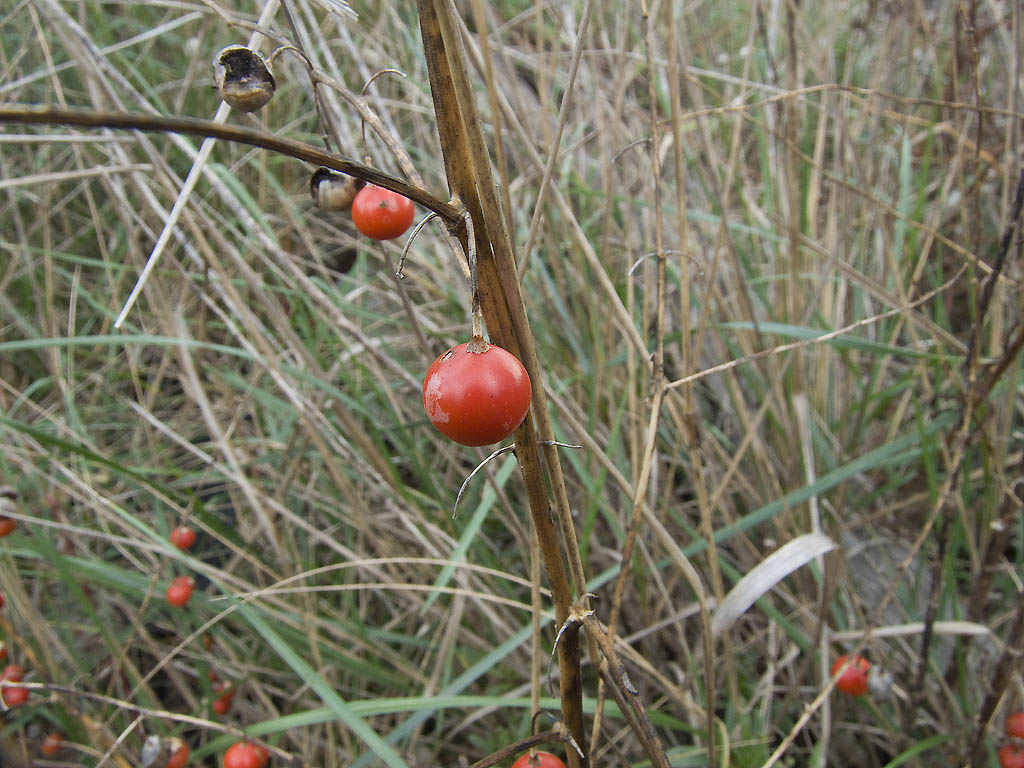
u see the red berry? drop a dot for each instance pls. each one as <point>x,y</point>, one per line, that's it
<point>7,525</point>
<point>13,697</point>
<point>1015,725</point>
<point>3,650</point>
<point>540,760</point>
<point>380,213</point>
<point>854,680</point>
<point>180,590</point>
<point>245,754</point>
<point>51,744</point>
<point>476,393</point>
<point>1011,756</point>
<point>222,703</point>
<point>13,673</point>
<point>1,599</point>
<point>183,537</point>
<point>179,753</point>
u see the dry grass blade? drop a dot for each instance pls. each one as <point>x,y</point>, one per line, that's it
<point>766,575</point>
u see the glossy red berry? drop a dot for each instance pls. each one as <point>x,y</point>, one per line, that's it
<point>3,650</point>
<point>380,213</point>
<point>180,590</point>
<point>1011,756</point>
<point>245,754</point>
<point>51,744</point>
<point>178,753</point>
<point>183,537</point>
<point>1015,725</point>
<point>540,760</point>
<point>7,526</point>
<point>476,393</point>
<point>854,680</point>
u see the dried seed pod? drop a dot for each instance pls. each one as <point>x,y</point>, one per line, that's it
<point>333,191</point>
<point>243,78</point>
<point>154,752</point>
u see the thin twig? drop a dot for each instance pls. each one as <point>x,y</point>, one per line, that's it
<point>24,114</point>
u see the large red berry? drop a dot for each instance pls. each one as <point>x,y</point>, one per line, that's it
<point>7,525</point>
<point>854,680</point>
<point>476,393</point>
<point>183,537</point>
<point>180,590</point>
<point>1015,725</point>
<point>540,760</point>
<point>1011,756</point>
<point>380,213</point>
<point>245,754</point>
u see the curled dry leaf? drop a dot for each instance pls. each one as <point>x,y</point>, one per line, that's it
<point>769,572</point>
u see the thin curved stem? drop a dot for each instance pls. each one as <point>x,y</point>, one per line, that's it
<point>408,243</point>
<point>24,114</point>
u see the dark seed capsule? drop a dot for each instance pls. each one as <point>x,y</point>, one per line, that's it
<point>333,191</point>
<point>243,78</point>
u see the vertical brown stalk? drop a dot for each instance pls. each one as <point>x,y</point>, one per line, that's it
<point>467,166</point>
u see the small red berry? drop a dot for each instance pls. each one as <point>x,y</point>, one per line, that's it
<point>380,213</point>
<point>13,696</point>
<point>7,526</point>
<point>13,673</point>
<point>1011,756</point>
<point>1015,725</point>
<point>51,744</point>
<point>245,754</point>
<point>854,680</point>
<point>180,590</point>
<point>179,753</point>
<point>540,760</point>
<point>222,703</point>
<point>3,650</point>
<point>1,599</point>
<point>183,537</point>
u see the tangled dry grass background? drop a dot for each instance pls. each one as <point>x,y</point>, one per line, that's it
<point>832,187</point>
